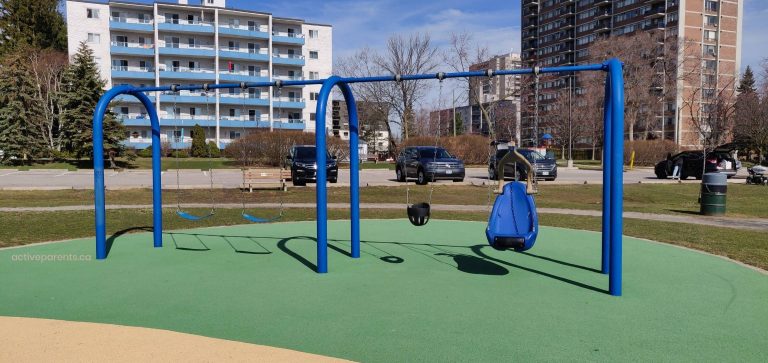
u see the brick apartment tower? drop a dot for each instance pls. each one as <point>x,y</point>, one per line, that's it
<point>559,32</point>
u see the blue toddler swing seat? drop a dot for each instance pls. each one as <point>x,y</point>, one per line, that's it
<point>513,223</point>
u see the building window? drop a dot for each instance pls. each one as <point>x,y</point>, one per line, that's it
<point>313,96</point>
<point>314,75</point>
<point>312,116</point>
<point>710,50</point>
<point>234,135</point>
<point>710,5</point>
<point>314,34</point>
<point>313,54</point>
<point>94,38</point>
<point>710,65</point>
<point>710,20</point>
<point>92,13</point>
<point>710,35</point>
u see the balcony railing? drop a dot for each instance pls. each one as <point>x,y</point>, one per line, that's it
<point>288,34</point>
<point>244,118</point>
<point>250,96</point>
<point>165,68</point>
<point>255,28</point>
<point>288,99</point>
<point>287,56</point>
<point>165,20</point>
<point>116,43</point>
<point>165,44</point>
<point>128,20</point>
<point>261,73</point>
<point>170,116</point>
<point>132,69</point>
<point>263,51</point>
<point>288,78</point>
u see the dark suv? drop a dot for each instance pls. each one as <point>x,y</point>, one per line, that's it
<point>692,162</point>
<point>303,162</point>
<point>546,167</point>
<point>427,163</point>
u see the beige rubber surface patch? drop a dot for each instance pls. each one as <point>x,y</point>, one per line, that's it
<point>40,340</point>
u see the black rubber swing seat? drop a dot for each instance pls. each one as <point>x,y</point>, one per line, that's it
<point>418,214</point>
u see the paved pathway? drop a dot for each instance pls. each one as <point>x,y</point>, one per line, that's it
<point>760,224</point>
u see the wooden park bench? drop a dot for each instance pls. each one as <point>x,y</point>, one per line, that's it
<point>265,178</point>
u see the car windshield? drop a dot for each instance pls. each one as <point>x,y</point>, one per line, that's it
<point>434,153</point>
<point>307,153</point>
<point>532,156</point>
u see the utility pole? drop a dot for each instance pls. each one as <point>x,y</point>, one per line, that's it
<point>453,96</point>
<point>570,121</point>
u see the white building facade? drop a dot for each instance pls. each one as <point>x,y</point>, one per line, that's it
<point>165,43</point>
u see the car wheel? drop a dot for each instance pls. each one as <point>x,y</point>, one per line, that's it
<point>333,180</point>
<point>421,177</point>
<point>298,182</point>
<point>458,180</point>
<point>400,175</point>
<point>661,174</point>
<point>729,176</point>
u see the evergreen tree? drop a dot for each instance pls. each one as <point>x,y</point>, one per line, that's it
<point>747,84</point>
<point>82,89</point>
<point>199,148</point>
<point>459,124</point>
<point>19,110</point>
<point>33,23</point>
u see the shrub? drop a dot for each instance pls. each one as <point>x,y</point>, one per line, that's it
<point>145,153</point>
<point>648,152</point>
<point>213,150</point>
<point>199,148</point>
<point>181,154</point>
<point>266,147</point>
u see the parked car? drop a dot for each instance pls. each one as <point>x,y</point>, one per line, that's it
<point>303,165</point>
<point>692,163</point>
<point>428,163</point>
<point>546,166</point>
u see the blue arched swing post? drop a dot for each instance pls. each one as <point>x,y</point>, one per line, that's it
<point>613,152</point>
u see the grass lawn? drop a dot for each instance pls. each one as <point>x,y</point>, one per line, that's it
<point>743,201</point>
<point>750,247</point>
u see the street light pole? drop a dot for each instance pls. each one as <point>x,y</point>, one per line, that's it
<point>453,97</point>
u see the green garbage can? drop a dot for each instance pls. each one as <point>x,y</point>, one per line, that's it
<point>714,187</point>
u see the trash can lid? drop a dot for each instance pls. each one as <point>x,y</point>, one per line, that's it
<point>715,179</point>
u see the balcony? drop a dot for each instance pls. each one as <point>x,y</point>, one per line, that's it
<point>288,102</point>
<point>133,72</point>
<point>185,26</point>
<point>130,48</point>
<point>187,50</point>
<point>131,24</point>
<point>603,15</point>
<point>186,73</point>
<point>288,78</point>
<point>291,124</point>
<point>188,97</point>
<point>243,31</point>
<point>259,55</point>
<point>288,59</point>
<point>243,76</point>
<point>260,121</point>
<point>654,13</point>
<point>186,120</point>
<point>247,99</point>
<point>287,38</point>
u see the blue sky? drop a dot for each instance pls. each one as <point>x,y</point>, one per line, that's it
<point>495,23</point>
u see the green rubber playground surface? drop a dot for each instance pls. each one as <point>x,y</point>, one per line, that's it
<point>434,293</point>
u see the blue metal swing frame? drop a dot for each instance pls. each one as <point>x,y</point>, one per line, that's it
<point>613,150</point>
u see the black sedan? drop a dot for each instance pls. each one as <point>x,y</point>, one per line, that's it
<point>692,163</point>
<point>546,167</point>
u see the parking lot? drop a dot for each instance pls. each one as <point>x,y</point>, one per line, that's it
<point>231,178</point>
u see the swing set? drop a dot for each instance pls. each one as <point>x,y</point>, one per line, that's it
<point>513,222</point>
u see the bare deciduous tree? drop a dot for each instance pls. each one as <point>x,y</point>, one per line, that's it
<point>47,67</point>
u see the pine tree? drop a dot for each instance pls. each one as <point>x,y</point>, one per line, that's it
<point>83,88</point>
<point>19,110</point>
<point>747,83</point>
<point>32,23</point>
<point>199,148</point>
<point>459,124</point>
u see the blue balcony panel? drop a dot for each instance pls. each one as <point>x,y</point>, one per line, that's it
<point>118,50</point>
<point>127,98</point>
<point>187,52</point>
<point>288,104</point>
<point>246,101</point>
<point>133,75</point>
<point>244,33</point>
<point>258,57</point>
<point>188,76</point>
<point>289,125</point>
<point>224,77</point>
<point>186,28</point>
<point>287,40</point>
<point>288,61</point>
<point>135,27</point>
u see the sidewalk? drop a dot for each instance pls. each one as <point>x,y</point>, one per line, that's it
<point>760,224</point>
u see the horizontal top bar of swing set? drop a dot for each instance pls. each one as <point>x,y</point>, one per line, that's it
<point>390,78</point>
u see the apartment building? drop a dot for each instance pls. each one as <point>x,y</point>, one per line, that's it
<point>372,117</point>
<point>560,32</point>
<point>207,42</point>
<point>500,97</point>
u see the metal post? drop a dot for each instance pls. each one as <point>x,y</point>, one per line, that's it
<point>606,236</point>
<point>354,166</point>
<point>617,177</point>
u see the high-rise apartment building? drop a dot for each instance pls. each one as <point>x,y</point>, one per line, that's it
<point>500,96</point>
<point>182,43</point>
<point>560,32</point>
